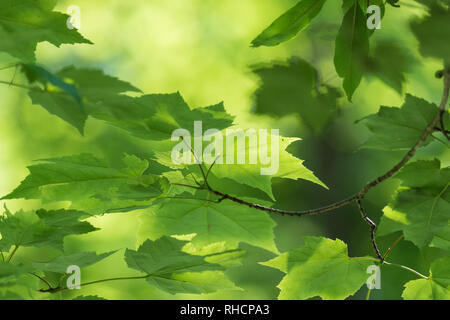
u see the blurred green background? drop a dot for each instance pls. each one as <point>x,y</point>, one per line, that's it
<point>202,49</point>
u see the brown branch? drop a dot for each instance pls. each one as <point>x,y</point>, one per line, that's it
<point>359,196</point>
<point>224,196</point>
<point>43,280</point>
<point>372,226</point>
<point>442,130</point>
<point>418,144</point>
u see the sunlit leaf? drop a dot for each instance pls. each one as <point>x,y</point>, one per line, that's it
<point>421,208</point>
<point>41,228</point>
<point>289,23</point>
<point>437,287</point>
<point>321,267</point>
<point>167,267</point>
<point>25,23</point>
<point>211,222</point>
<point>400,128</point>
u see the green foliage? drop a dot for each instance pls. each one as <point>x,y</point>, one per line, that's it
<point>194,216</point>
<point>400,128</point>
<point>170,269</point>
<point>10,273</point>
<point>436,287</point>
<point>91,182</point>
<point>421,208</point>
<point>295,88</point>
<point>8,295</point>
<point>352,49</point>
<point>321,267</point>
<point>442,239</point>
<point>211,222</point>
<point>25,23</point>
<point>58,97</point>
<point>41,228</point>
<point>35,73</point>
<point>289,23</point>
<point>431,30</point>
<point>82,260</point>
<point>289,167</point>
<point>392,67</point>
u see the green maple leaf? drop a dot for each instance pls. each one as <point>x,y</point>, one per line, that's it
<point>352,49</point>
<point>38,74</point>
<point>321,267</point>
<point>442,239</point>
<point>156,116</point>
<point>292,88</point>
<point>211,222</point>
<point>389,62</point>
<point>74,93</point>
<point>61,105</point>
<point>421,208</point>
<point>25,23</point>
<point>58,97</point>
<point>9,273</point>
<point>436,287</point>
<point>170,269</point>
<point>252,173</point>
<point>94,84</point>
<point>400,128</point>
<point>289,23</point>
<point>60,264</point>
<point>289,167</point>
<point>150,117</point>
<point>432,30</point>
<point>41,228</point>
<point>90,183</point>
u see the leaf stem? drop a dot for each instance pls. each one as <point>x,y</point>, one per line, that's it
<point>361,194</point>
<point>42,279</point>
<point>368,293</point>
<point>8,66</point>
<point>406,268</point>
<point>392,246</point>
<point>12,253</point>
<point>18,85</point>
<point>54,290</point>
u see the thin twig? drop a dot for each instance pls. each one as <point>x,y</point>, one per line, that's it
<point>406,268</point>
<point>197,160</point>
<point>359,196</point>
<point>12,253</point>
<point>392,246</point>
<point>54,290</point>
<point>42,279</point>
<point>418,144</point>
<point>14,76</point>
<point>441,130</point>
<point>372,226</point>
<point>285,212</point>
<point>18,85</point>
<point>9,66</point>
